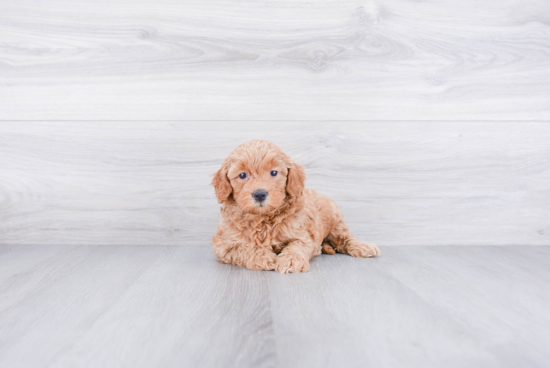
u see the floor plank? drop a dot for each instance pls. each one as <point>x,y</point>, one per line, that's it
<point>185,310</point>
<point>49,305</point>
<point>143,306</point>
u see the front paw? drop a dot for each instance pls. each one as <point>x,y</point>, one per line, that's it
<point>232,256</point>
<point>262,259</point>
<point>291,262</point>
<point>362,249</point>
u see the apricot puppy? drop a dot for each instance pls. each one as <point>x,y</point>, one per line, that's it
<point>269,221</point>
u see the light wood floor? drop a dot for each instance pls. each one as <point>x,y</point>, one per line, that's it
<point>176,306</point>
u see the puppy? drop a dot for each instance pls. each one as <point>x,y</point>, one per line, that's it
<point>269,221</point>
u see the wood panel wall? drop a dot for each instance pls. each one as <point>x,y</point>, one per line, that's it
<point>428,122</point>
<point>397,183</point>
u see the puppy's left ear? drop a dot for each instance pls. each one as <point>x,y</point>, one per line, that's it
<point>295,180</point>
<point>221,184</point>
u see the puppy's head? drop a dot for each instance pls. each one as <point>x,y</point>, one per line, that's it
<point>258,176</point>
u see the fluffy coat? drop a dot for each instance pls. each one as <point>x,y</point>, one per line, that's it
<point>288,228</point>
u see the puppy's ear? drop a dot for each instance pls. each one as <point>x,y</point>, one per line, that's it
<point>295,180</point>
<point>221,184</point>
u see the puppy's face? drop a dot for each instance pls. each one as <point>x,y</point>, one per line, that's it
<point>258,177</point>
<point>259,186</point>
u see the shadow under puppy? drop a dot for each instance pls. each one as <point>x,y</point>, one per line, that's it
<point>269,221</point>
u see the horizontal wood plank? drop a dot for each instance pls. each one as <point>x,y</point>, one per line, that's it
<point>397,183</point>
<point>262,60</point>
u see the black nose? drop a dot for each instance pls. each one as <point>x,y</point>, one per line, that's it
<point>259,195</point>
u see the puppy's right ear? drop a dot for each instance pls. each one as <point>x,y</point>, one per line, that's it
<point>221,184</point>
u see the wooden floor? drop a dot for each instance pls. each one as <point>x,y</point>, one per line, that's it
<point>176,306</point>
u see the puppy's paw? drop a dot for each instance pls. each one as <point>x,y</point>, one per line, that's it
<point>230,256</point>
<point>291,262</point>
<point>327,249</point>
<point>362,249</point>
<point>262,259</point>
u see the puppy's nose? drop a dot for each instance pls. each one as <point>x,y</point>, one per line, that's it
<point>259,195</point>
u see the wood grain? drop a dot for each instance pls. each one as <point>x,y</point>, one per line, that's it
<point>397,183</point>
<point>417,307</point>
<point>176,306</point>
<point>287,60</point>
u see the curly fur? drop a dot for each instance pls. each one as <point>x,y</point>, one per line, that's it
<point>290,227</point>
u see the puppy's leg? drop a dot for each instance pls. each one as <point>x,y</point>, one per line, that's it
<point>343,242</point>
<point>245,255</point>
<point>295,257</point>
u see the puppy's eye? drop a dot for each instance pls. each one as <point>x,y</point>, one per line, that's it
<point>274,173</point>
<point>242,175</point>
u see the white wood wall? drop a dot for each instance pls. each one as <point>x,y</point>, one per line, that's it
<point>428,122</point>
<point>397,183</point>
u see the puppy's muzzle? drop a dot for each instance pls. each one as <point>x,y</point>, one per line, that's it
<point>259,195</point>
